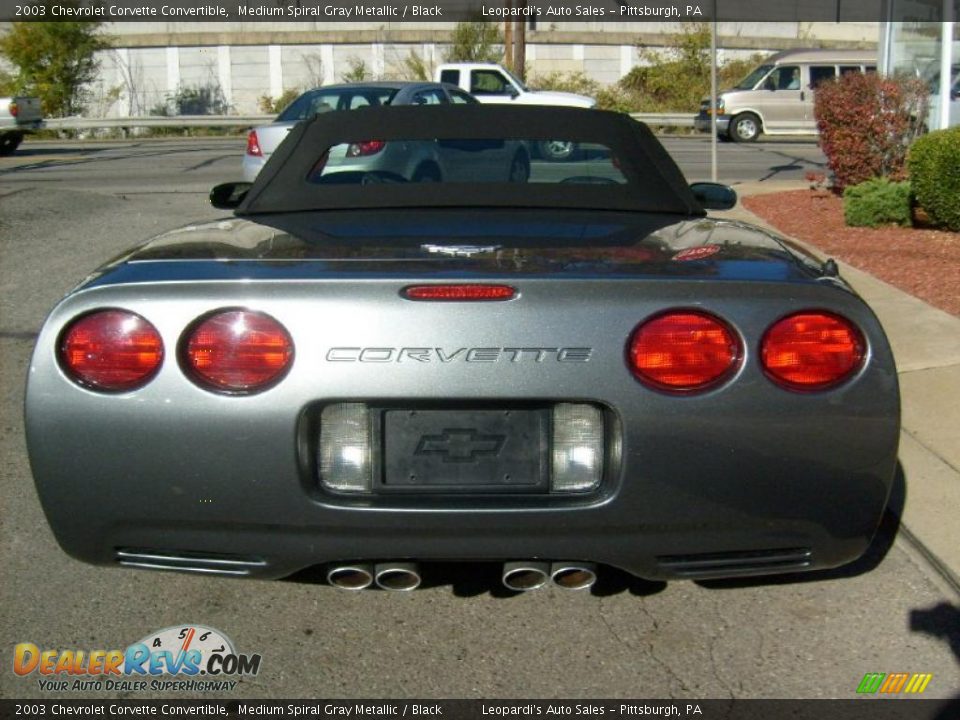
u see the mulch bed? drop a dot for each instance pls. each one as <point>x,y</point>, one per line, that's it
<point>924,263</point>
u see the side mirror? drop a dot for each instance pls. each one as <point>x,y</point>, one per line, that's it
<point>714,196</point>
<point>227,196</point>
<point>512,92</point>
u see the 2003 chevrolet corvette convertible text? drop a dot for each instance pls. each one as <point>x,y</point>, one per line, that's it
<point>559,369</point>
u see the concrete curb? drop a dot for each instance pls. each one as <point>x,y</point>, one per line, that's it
<point>926,346</point>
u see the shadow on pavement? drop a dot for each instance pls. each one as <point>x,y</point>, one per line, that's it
<point>942,622</point>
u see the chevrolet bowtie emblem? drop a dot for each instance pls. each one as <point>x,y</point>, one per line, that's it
<point>460,445</point>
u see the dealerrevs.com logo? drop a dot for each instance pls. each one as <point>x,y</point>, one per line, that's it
<point>189,658</point>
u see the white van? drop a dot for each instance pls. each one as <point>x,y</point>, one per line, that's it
<point>776,98</point>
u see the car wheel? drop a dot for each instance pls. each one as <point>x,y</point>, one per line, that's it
<point>427,173</point>
<point>9,143</point>
<point>745,127</point>
<point>519,168</point>
<point>557,150</point>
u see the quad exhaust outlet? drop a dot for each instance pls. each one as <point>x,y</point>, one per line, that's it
<point>573,575</point>
<point>522,576</point>
<point>401,576</point>
<point>518,575</point>
<point>358,576</point>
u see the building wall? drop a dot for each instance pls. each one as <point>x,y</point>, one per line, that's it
<point>236,64</point>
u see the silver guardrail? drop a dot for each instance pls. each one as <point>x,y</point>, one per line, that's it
<point>665,119</point>
<point>185,121</point>
<point>158,121</point>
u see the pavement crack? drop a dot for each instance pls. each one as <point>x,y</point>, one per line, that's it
<point>712,645</point>
<point>667,668</point>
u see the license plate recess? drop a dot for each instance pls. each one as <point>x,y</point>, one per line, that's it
<point>489,450</point>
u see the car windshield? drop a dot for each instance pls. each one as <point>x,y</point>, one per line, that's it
<point>751,80</point>
<point>517,81</point>
<point>320,101</point>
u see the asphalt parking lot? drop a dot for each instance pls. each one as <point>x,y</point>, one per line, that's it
<point>65,208</point>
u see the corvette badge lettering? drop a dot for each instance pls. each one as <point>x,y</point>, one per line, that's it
<point>470,355</point>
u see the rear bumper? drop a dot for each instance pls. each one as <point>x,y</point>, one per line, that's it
<point>678,502</point>
<point>657,554</point>
<point>23,127</point>
<point>252,166</point>
<point>742,480</point>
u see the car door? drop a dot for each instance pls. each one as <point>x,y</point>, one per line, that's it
<point>817,74</point>
<point>781,102</point>
<point>491,86</point>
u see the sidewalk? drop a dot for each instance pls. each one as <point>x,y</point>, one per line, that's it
<point>926,346</point>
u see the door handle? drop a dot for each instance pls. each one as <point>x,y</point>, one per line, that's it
<point>803,95</point>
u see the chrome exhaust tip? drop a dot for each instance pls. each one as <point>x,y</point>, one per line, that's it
<point>401,577</point>
<point>351,577</point>
<point>573,575</point>
<point>521,576</point>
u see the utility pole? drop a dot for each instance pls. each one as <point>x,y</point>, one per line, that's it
<point>520,43</point>
<point>508,37</point>
<point>713,95</point>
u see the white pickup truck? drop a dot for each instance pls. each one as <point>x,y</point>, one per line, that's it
<point>17,116</point>
<point>492,83</point>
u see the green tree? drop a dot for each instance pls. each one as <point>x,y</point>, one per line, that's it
<point>476,42</point>
<point>54,61</point>
<point>675,79</point>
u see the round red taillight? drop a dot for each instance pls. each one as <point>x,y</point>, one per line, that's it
<point>237,351</point>
<point>683,351</point>
<point>111,350</point>
<point>811,351</point>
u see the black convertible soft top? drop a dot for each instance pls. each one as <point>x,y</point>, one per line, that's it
<point>653,181</point>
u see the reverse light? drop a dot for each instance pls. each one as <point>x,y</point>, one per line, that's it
<point>111,350</point>
<point>683,351</point>
<point>237,351</point>
<point>253,144</point>
<point>365,148</point>
<point>577,463</point>
<point>810,351</point>
<point>459,293</point>
<point>344,452</point>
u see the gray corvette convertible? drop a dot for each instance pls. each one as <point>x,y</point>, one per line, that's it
<point>358,372</point>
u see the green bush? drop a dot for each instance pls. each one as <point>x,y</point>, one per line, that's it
<point>574,82</point>
<point>877,202</point>
<point>272,106</point>
<point>934,164</point>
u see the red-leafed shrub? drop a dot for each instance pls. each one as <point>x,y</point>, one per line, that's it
<point>866,123</point>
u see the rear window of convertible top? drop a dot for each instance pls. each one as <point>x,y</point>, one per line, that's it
<point>376,162</point>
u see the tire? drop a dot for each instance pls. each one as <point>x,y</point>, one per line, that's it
<point>9,143</point>
<point>519,168</point>
<point>745,128</point>
<point>427,173</point>
<point>557,150</point>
